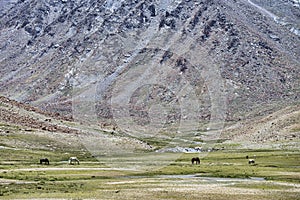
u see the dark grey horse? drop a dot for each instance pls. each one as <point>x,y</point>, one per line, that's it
<point>44,160</point>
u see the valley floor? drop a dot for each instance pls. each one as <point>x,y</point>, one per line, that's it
<point>221,175</point>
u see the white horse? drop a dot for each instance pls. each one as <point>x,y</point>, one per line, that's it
<point>251,161</point>
<point>73,160</point>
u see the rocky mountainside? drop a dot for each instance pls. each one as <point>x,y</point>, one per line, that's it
<point>25,127</point>
<point>236,59</point>
<point>277,127</point>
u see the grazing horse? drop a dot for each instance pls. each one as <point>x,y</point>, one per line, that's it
<point>251,161</point>
<point>73,160</point>
<point>44,160</point>
<point>197,160</point>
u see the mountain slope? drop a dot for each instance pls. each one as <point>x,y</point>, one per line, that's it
<point>53,52</point>
<point>25,127</point>
<point>281,128</point>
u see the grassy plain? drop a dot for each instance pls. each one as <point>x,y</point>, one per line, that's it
<point>221,175</point>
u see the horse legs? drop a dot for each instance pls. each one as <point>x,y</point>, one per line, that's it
<point>196,161</point>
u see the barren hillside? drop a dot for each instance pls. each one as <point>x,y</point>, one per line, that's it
<point>232,60</point>
<point>25,127</point>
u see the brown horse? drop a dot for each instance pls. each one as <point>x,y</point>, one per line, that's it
<point>197,160</point>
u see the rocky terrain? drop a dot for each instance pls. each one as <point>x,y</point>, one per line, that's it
<point>25,127</point>
<point>279,130</point>
<point>13,114</point>
<point>237,59</point>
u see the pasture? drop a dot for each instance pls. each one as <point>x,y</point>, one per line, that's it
<point>222,174</point>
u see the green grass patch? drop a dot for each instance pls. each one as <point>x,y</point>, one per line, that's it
<point>156,143</point>
<point>278,165</point>
<point>272,165</point>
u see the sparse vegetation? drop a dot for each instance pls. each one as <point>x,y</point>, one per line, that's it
<point>22,177</point>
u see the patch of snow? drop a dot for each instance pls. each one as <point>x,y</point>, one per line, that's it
<point>264,10</point>
<point>113,5</point>
<point>295,31</point>
<point>296,3</point>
